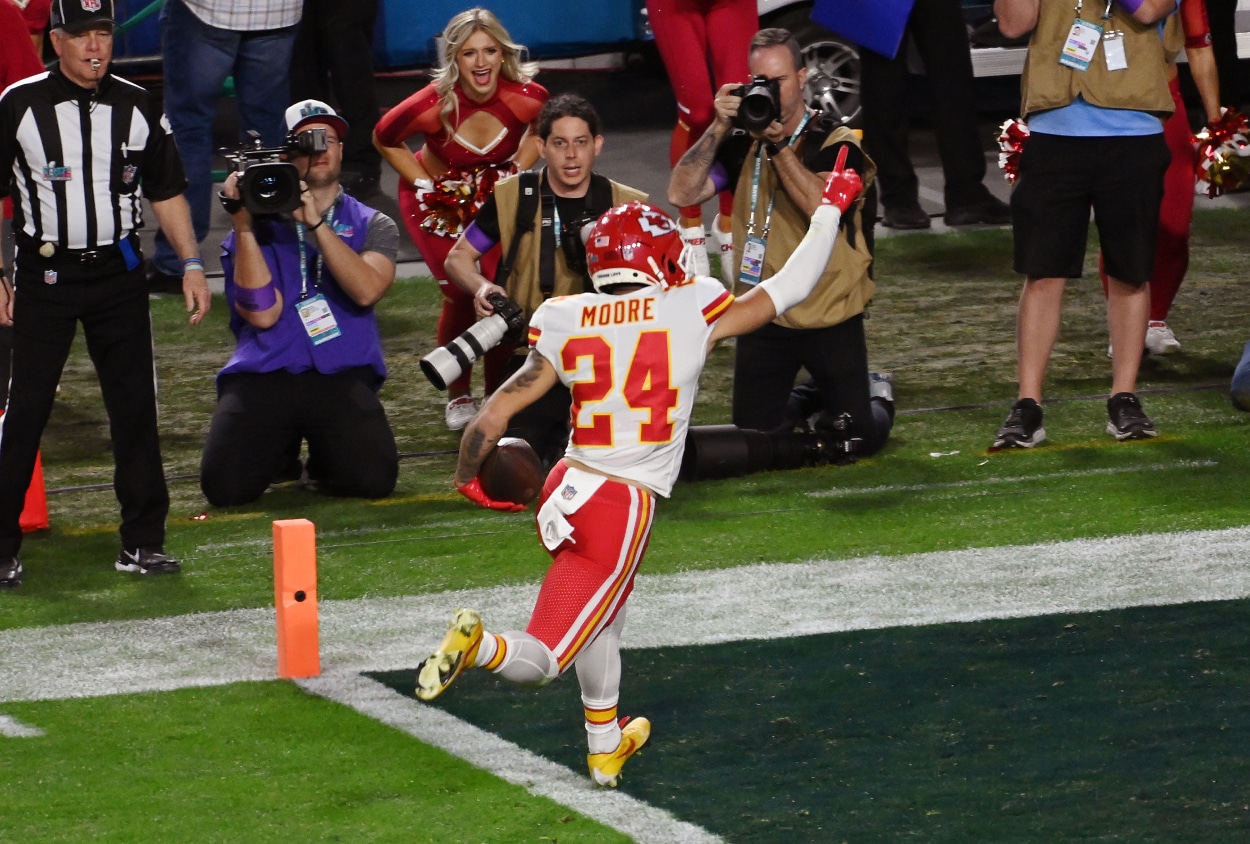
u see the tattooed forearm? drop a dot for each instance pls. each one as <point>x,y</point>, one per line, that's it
<point>703,153</point>
<point>473,450</point>
<point>689,183</point>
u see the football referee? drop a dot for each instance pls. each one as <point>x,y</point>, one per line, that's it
<point>79,149</point>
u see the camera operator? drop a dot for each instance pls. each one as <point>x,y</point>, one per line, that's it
<point>308,360</point>
<point>79,150</point>
<point>538,218</point>
<point>777,168</point>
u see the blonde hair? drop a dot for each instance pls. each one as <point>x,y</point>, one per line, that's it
<point>458,31</point>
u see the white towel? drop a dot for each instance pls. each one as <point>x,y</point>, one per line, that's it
<point>576,488</point>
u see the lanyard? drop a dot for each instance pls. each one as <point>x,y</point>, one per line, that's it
<point>304,257</point>
<point>1106,13</point>
<point>755,181</point>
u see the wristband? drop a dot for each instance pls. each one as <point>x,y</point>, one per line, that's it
<point>773,149</point>
<point>320,223</point>
<point>192,264</point>
<point>256,299</point>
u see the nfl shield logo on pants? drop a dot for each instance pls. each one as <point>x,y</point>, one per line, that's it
<point>91,5</point>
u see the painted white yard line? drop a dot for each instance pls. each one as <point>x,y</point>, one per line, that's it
<point>13,728</point>
<point>752,602</point>
<point>642,822</point>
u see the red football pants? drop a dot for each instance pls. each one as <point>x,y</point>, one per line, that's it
<point>592,572</point>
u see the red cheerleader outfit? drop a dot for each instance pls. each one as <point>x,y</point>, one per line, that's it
<point>1176,211</point>
<point>436,217</point>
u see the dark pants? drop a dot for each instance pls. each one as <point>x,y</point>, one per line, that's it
<point>767,362</point>
<point>545,423</point>
<point>1223,19</point>
<point>113,310</point>
<point>334,53</point>
<point>937,26</point>
<point>259,416</point>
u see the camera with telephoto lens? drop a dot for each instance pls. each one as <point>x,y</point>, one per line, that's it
<point>269,185</point>
<point>446,363</point>
<point>715,452</point>
<point>761,104</point>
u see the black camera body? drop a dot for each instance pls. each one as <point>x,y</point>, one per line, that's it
<point>268,184</point>
<point>446,363</point>
<point>761,104</point>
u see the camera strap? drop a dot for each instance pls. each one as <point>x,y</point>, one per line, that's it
<point>527,207</point>
<point>597,200</point>
<point>548,240</point>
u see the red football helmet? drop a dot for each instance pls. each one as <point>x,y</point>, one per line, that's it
<point>635,243</point>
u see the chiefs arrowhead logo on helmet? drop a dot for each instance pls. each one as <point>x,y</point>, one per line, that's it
<point>635,243</point>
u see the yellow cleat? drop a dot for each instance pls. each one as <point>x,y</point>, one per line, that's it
<point>453,656</point>
<point>605,768</point>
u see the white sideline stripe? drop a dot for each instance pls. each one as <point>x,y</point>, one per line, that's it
<point>13,728</point>
<point>750,602</point>
<point>641,821</point>
<point>1075,473</point>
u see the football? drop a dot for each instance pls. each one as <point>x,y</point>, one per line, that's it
<point>512,472</point>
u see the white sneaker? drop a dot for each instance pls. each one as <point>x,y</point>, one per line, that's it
<point>1160,340</point>
<point>695,257</point>
<point>723,242</point>
<point>460,411</point>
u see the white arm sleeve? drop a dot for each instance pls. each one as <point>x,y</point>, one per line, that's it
<point>797,279</point>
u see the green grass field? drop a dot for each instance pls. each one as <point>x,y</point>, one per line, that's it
<point>1136,742</point>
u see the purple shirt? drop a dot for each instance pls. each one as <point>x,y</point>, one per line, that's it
<point>286,345</point>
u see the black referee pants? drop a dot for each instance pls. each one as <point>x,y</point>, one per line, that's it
<point>113,310</point>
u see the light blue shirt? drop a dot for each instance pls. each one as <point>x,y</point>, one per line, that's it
<point>1079,119</point>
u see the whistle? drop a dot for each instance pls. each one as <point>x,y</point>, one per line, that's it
<point>95,64</point>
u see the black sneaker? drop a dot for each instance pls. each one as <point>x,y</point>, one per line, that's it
<point>10,573</point>
<point>990,211</point>
<point>1126,420</point>
<point>906,217</point>
<point>1023,428</point>
<point>146,561</point>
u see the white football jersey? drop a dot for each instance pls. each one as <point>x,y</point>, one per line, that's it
<point>632,363</point>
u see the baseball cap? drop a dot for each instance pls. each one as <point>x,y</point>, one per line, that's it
<point>313,111</point>
<point>75,16</point>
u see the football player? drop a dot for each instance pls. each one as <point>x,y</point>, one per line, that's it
<point>631,354</point>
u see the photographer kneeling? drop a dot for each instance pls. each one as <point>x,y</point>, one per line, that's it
<point>308,361</point>
<point>538,217</point>
<point>776,153</point>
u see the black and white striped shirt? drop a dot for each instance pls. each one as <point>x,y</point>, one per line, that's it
<point>78,161</point>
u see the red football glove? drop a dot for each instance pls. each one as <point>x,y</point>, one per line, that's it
<point>843,187</point>
<point>474,492</point>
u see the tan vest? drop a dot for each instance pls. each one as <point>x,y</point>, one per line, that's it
<point>1142,86</point>
<point>845,288</point>
<point>523,286</point>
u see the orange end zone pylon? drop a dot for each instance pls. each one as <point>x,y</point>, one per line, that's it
<point>35,510</point>
<point>295,596</point>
